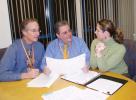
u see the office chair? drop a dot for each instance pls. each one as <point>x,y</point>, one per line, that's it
<point>130,56</point>
<point>2,51</point>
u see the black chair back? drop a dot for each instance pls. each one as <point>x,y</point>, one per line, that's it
<point>130,56</point>
<point>2,51</point>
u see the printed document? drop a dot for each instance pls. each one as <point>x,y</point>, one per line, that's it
<point>104,85</point>
<point>66,66</point>
<point>74,93</point>
<point>81,77</point>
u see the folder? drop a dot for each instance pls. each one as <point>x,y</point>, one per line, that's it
<point>96,81</point>
<point>80,77</point>
<point>106,84</point>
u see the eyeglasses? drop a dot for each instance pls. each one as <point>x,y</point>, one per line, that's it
<point>66,32</point>
<point>33,30</point>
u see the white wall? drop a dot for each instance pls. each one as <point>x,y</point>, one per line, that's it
<point>126,17</point>
<point>79,19</point>
<point>5,33</point>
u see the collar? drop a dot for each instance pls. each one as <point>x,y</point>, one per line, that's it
<point>26,45</point>
<point>61,43</point>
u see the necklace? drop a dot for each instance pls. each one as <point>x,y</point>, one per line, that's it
<point>30,56</point>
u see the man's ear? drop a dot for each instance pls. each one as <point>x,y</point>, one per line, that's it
<point>24,32</point>
<point>57,35</point>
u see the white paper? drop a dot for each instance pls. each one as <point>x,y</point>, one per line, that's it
<point>68,93</point>
<point>105,85</point>
<point>43,80</point>
<point>66,66</point>
<point>74,93</point>
<point>89,94</point>
<point>81,77</point>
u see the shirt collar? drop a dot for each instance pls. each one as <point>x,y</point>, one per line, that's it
<point>27,46</point>
<point>61,43</point>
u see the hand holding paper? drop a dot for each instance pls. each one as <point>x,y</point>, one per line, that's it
<point>47,71</point>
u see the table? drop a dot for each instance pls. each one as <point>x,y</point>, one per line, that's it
<point>18,91</point>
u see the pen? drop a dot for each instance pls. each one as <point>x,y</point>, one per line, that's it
<point>107,93</point>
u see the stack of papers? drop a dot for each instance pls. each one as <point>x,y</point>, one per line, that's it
<point>74,93</point>
<point>43,80</point>
<point>58,67</point>
<point>81,77</point>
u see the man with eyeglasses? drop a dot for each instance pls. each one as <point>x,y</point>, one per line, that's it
<point>23,58</point>
<point>56,49</point>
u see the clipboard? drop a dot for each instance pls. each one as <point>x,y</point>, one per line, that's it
<point>120,83</point>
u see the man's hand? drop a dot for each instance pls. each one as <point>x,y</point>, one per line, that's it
<point>47,71</point>
<point>32,73</point>
<point>85,69</point>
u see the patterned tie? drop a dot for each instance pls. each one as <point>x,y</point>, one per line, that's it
<point>65,51</point>
<point>30,60</point>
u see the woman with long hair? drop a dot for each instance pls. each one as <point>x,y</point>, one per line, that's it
<point>107,50</point>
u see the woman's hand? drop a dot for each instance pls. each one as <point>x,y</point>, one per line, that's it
<point>99,48</point>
